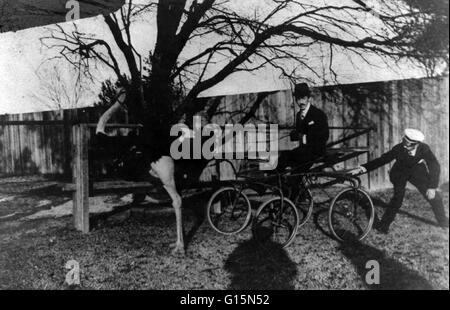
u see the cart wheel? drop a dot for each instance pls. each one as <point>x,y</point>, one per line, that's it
<point>228,211</point>
<point>351,215</point>
<point>304,203</point>
<point>276,221</point>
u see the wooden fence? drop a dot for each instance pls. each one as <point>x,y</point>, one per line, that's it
<point>390,107</point>
<point>41,143</point>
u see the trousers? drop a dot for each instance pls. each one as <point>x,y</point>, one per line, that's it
<point>419,177</point>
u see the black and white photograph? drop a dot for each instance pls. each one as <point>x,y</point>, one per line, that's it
<point>224,149</point>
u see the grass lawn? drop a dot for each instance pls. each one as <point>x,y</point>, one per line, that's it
<point>131,251</point>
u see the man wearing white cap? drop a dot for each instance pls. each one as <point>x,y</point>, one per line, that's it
<point>414,163</point>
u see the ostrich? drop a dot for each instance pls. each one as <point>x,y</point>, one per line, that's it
<point>161,167</point>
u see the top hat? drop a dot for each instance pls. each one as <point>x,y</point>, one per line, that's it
<point>302,90</point>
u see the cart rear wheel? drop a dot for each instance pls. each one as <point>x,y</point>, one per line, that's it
<point>228,211</point>
<point>276,220</point>
<point>351,215</point>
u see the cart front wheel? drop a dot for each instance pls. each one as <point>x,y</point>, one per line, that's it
<point>228,211</point>
<point>276,220</point>
<point>351,215</point>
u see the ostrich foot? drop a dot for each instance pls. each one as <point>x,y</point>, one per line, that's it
<point>178,248</point>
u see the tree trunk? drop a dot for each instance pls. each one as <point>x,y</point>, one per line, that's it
<point>160,101</point>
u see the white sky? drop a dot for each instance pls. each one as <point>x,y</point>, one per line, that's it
<point>21,55</point>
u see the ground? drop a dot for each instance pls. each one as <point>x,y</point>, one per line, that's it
<point>130,249</point>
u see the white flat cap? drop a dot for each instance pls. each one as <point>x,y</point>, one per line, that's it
<point>414,135</point>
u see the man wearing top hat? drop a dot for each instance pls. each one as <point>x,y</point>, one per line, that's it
<point>311,130</point>
<point>414,163</point>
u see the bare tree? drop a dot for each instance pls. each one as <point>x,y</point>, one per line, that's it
<point>59,90</point>
<point>282,35</point>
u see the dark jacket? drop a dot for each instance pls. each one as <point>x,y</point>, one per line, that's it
<point>405,164</point>
<point>315,127</point>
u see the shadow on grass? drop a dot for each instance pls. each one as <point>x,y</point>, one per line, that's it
<point>198,214</point>
<point>117,215</point>
<point>393,275</point>
<point>256,267</point>
<point>320,219</point>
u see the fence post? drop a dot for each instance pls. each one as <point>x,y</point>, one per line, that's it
<point>81,177</point>
<point>68,147</point>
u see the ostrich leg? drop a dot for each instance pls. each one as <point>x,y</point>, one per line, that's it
<point>164,169</point>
